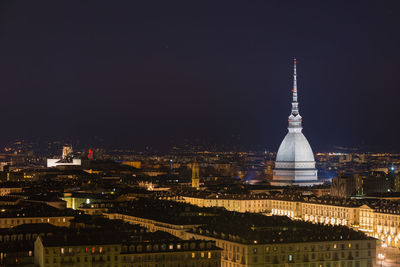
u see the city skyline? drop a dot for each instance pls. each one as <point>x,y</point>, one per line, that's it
<point>146,133</point>
<point>212,72</point>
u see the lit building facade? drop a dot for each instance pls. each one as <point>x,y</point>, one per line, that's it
<point>67,149</point>
<point>315,248</point>
<point>193,253</point>
<point>177,230</point>
<point>195,175</point>
<point>66,159</point>
<point>239,204</point>
<point>9,222</point>
<point>59,162</point>
<point>378,222</point>
<point>9,190</point>
<point>356,253</point>
<point>58,253</point>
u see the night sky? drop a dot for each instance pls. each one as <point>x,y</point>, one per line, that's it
<point>155,73</point>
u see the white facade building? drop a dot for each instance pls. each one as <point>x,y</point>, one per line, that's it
<point>60,162</point>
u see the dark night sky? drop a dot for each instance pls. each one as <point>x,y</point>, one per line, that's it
<point>155,72</point>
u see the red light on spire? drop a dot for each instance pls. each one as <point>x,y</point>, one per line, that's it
<point>90,155</point>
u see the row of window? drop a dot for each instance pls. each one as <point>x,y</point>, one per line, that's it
<point>229,247</point>
<point>172,257</point>
<point>319,247</point>
<point>83,259</point>
<point>85,250</point>
<point>21,221</point>
<point>164,247</point>
<point>312,257</point>
<point>186,264</point>
<point>313,264</point>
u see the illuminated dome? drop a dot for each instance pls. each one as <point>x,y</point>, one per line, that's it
<point>295,164</point>
<point>295,147</point>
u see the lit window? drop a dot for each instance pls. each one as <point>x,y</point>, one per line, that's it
<point>202,254</point>
<point>193,255</point>
<point>209,255</point>
<point>62,250</point>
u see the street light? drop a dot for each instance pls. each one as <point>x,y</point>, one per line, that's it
<point>381,257</point>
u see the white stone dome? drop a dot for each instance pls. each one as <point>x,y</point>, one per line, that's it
<point>295,148</point>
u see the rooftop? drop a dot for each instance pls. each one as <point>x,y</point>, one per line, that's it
<point>249,228</point>
<point>29,209</point>
<point>99,237</point>
<point>167,211</point>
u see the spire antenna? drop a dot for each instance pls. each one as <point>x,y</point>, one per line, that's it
<point>295,118</point>
<point>295,104</point>
<point>294,80</point>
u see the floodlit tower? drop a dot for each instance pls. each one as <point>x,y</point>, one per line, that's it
<point>295,164</point>
<point>67,149</point>
<point>195,175</point>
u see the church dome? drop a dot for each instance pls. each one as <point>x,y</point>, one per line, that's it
<point>295,148</point>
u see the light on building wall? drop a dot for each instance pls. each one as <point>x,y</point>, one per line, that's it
<point>381,256</point>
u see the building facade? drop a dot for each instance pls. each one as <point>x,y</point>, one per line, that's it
<point>315,248</point>
<point>9,222</point>
<point>355,253</point>
<point>152,225</point>
<point>193,253</point>
<point>378,221</point>
<point>240,204</point>
<point>9,190</point>
<point>59,253</point>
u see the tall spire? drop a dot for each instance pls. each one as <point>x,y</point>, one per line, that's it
<point>295,118</point>
<point>295,105</point>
